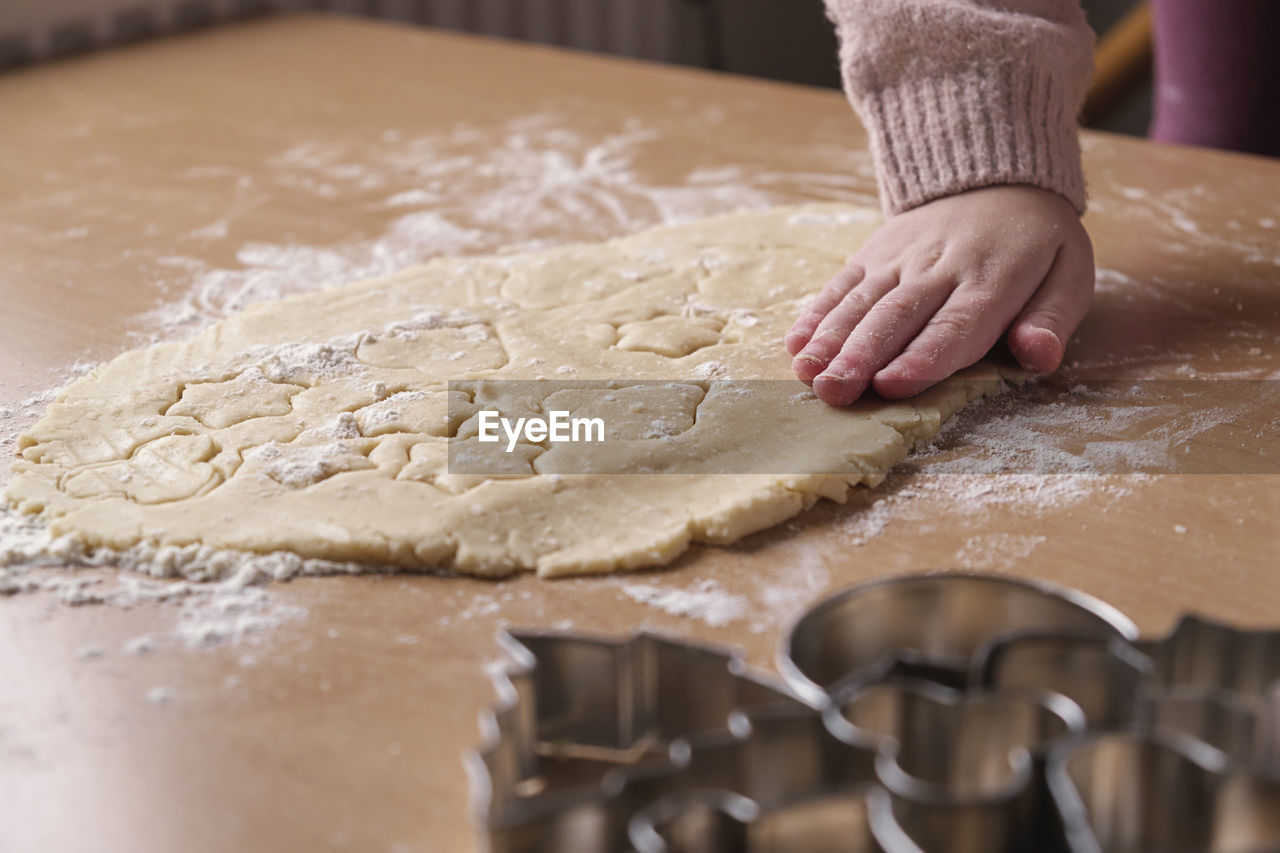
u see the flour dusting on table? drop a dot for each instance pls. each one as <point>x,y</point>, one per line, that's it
<point>705,600</point>
<point>534,181</point>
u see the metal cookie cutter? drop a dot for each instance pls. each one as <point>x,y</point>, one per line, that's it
<point>943,712</point>
<point>927,626</point>
<point>574,710</point>
<point>1124,792</point>
<point>1181,727</point>
<point>776,755</point>
<point>965,769</point>
<point>754,781</point>
<point>777,759</point>
<point>716,821</point>
<point>1221,685</point>
<point>1105,676</point>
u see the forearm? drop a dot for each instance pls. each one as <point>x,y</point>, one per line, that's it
<point>960,94</point>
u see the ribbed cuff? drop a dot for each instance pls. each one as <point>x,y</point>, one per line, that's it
<point>990,126</point>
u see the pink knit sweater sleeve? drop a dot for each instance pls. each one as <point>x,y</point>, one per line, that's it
<point>960,94</point>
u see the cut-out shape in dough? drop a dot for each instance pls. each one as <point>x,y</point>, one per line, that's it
<point>250,394</point>
<point>308,363</point>
<point>670,335</point>
<point>429,463</point>
<point>435,346</point>
<point>166,469</point>
<point>634,412</point>
<point>296,466</point>
<point>425,412</point>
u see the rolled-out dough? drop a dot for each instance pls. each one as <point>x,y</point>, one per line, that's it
<point>319,424</point>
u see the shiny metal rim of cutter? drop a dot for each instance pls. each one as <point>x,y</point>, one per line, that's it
<point>946,711</point>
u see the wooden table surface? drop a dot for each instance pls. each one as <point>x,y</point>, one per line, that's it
<point>198,173</point>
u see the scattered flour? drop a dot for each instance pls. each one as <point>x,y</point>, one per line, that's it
<point>298,466</point>
<point>521,184</point>
<point>220,594</point>
<point>91,651</point>
<point>16,417</point>
<point>141,645</point>
<point>706,601</point>
<point>710,370</point>
<point>298,362</point>
<point>482,604</point>
<point>868,524</point>
<point>996,550</point>
<point>1095,429</point>
<point>230,616</point>
<point>801,577</point>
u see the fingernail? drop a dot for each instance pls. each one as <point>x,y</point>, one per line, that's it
<point>827,387</point>
<point>1040,332</point>
<point>1046,330</point>
<point>836,390</point>
<point>804,356</point>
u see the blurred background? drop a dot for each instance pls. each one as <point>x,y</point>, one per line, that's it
<point>788,40</point>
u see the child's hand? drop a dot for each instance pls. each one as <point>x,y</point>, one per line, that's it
<point>935,287</point>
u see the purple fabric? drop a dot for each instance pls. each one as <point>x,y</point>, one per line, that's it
<point>1217,74</point>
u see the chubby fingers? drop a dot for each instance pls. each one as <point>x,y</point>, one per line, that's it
<point>834,330</point>
<point>895,319</point>
<point>1038,337</point>
<point>955,337</point>
<point>961,332</point>
<point>832,294</point>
